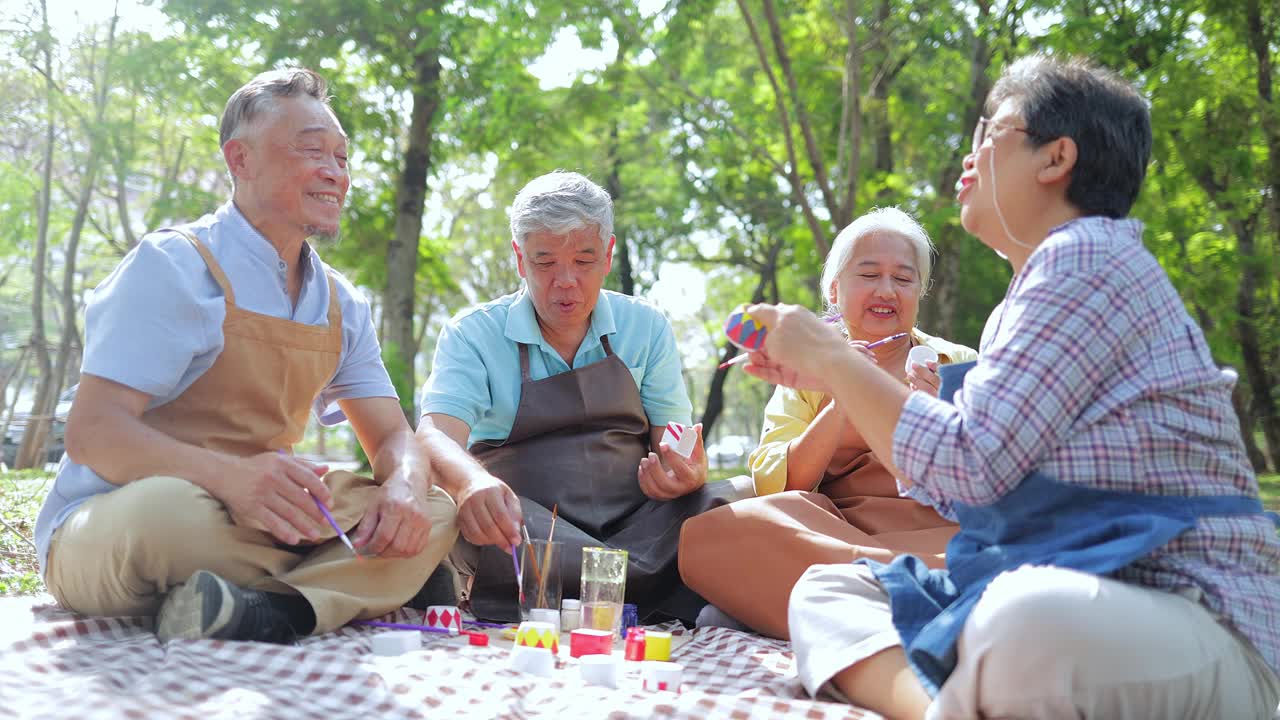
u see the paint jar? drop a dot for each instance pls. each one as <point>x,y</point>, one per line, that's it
<point>570,615</point>
<point>540,576</point>
<point>921,355</point>
<point>604,585</point>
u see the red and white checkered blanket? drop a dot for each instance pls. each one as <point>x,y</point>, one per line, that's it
<point>56,664</point>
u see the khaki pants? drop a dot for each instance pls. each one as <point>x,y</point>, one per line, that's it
<point>1044,642</point>
<point>122,551</point>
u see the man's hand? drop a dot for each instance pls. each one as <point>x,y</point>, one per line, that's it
<point>666,475</point>
<point>273,492</point>
<point>489,512</point>
<point>396,524</point>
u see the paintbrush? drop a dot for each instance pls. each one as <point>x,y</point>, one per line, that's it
<point>519,579</point>
<point>889,339</point>
<point>329,516</point>
<point>533,558</point>
<point>546,557</point>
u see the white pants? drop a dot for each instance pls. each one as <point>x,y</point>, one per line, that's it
<point>1045,642</point>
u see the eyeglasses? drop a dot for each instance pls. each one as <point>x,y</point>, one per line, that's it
<point>980,132</point>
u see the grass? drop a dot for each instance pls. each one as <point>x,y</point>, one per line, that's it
<point>21,495</point>
<point>1269,485</point>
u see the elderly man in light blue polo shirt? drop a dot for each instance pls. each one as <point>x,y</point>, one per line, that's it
<point>205,350</point>
<point>561,392</point>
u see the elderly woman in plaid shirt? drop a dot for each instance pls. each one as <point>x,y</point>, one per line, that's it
<point>1113,560</point>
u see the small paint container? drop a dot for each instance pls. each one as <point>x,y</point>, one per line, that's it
<point>635,644</point>
<point>630,619</point>
<point>921,355</point>
<point>396,642</point>
<point>538,635</point>
<point>657,645</point>
<point>600,670</point>
<point>586,641</point>
<point>660,676</point>
<point>445,617</point>
<point>570,615</point>
<point>533,660</point>
<point>546,615</point>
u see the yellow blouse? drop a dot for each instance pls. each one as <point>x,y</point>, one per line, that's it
<point>789,412</point>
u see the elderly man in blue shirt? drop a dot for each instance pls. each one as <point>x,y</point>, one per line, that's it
<point>205,350</point>
<point>562,391</point>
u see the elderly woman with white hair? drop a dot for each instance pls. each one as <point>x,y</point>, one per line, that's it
<point>823,496</point>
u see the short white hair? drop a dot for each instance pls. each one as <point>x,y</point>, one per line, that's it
<point>560,202</point>
<point>889,220</point>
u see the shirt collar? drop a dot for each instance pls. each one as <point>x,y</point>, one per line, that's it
<point>522,322</point>
<point>258,246</point>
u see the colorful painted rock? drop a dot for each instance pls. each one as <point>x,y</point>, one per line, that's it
<point>679,438</point>
<point>600,670</point>
<point>445,617</point>
<point>745,331</point>
<point>538,635</point>
<point>533,660</point>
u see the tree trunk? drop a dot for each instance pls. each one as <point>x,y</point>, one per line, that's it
<point>402,254</point>
<point>715,393</point>
<point>1256,457</point>
<point>1261,383</point>
<point>938,312</point>
<point>31,446</point>
<point>622,250</point>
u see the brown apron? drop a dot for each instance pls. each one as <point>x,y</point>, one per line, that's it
<point>746,558</point>
<point>576,443</point>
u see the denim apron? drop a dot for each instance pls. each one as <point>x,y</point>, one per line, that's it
<point>1041,522</point>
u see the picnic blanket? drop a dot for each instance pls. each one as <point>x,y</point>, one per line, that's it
<point>56,664</point>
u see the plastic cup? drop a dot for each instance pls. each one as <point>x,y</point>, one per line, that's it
<point>921,355</point>
<point>604,585</point>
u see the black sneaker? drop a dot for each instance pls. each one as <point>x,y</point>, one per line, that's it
<point>206,606</point>
<point>437,590</point>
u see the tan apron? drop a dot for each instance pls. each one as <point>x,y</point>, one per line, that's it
<point>576,443</point>
<point>745,559</point>
<point>255,398</point>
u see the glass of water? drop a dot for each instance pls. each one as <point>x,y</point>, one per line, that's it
<point>604,585</point>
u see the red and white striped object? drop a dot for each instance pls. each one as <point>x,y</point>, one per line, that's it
<point>680,438</point>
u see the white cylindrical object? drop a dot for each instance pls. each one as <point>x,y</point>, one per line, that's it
<point>600,670</point>
<point>546,615</point>
<point>920,355</point>
<point>570,614</point>
<point>396,642</point>
<point>533,660</point>
<point>661,675</point>
<point>445,617</point>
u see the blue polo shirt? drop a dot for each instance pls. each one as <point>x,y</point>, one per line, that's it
<point>475,374</point>
<point>155,325</point>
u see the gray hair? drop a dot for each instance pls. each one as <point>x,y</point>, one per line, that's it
<point>889,220</point>
<point>1106,117</point>
<point>560,202</point>
<point>260,94</point>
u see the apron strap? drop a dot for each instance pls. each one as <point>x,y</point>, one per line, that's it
<point>214,268</point>
<point>604,342</point>
<point>335,308</point>
<point>524,362</point>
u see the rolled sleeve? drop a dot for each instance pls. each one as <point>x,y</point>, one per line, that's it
<point>786,416</point>
<point>662,392</point>
<point>147,322</point>
<point>459,382</point>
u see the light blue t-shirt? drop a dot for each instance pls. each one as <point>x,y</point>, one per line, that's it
<point>155,325</point>
<point>475,374</point>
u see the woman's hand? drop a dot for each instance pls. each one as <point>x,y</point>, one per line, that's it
<point>924,378</point>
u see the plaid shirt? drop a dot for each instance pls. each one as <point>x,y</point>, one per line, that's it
<point>1091,371</point>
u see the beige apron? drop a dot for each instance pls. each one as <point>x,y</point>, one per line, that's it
<point>746,558</point>
<point>576,443</point>
<point>255,398</point>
